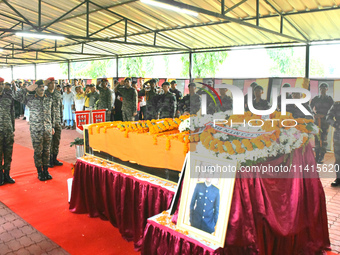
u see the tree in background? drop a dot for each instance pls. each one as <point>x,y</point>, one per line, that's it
<point>204,64</point>
<point>136,67</point>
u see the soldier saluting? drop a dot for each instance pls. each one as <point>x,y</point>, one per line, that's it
<point>151,97</point>
<point>129,106</point>
<point>333,118</point>
<point>191,103</point>
<point>42,122</point>
<point>6,131</point>
<point>167,103</point>
<point>320,106</point>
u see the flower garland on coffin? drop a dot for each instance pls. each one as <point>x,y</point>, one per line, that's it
<point>272,138</point>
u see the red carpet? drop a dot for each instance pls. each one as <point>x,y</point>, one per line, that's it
<point>44,205</point>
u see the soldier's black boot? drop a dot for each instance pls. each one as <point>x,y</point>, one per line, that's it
<point>51,161</point>
<point>336,182</point>
<point>46,174</point>
<point>41,177</point>
<point>7,178</point>
<point>322,155</point>
<point>317,156</point>
<point>2,182</point>
<point>56,162</point>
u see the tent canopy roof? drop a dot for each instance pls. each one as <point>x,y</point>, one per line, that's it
<point>118,28</point>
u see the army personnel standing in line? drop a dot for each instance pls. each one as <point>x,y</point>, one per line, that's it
<point>57,107</point>
<point>175,91</point>
<point>151,98</point>
<point>253,85</point>
<point>320,106</point>
<point>258,102</point>
<point>204,206</point>
<point>7,118</point>
<point>333,118</point>
<point>227,102</point>
<point>297,113</point>
<point>191,103</point>
<point>129,94</point>
<point>41,125</point>
<point>91,97</point>
<point>105,97</point>
<point>167,103</point>
<point>288,96</point>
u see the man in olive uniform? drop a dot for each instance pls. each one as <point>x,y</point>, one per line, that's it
<point>151,98</point>
<point>333,118</point>
<point>167,103</point>
<point>41,125</point>
<point>204,206</point>
<point>105,97</point>
<point>58,109</point>
<point>7,118</point>
<point>175,91</point>
<point>227,102</point>
<point>258,102</point>
<point>297,113</point>
<point>129,94</point>
<point>91,97</point>
<point>320,106</point>
<point>253,85</point>
<point>191,103</point>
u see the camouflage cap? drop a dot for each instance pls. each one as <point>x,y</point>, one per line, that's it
<point>39,82</point>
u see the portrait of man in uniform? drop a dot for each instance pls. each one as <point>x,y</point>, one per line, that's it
<point>204,206</point>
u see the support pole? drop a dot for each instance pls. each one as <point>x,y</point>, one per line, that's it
<point>117,67</point>
<point>190,66</point>
<point>12,73</point>
<point>69,70</point>
<point>307,62</point>
<point>35,71</point>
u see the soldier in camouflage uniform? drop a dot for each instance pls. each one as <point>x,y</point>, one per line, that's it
<point>191,103</point>
<point>57,106</point>
<point>151,98</point>
<point>167,103</point>
<point>320,106</point>
<point>333,118</point>
<point>258,102</point>
<point>41,126</point>
<point>297,113</point>
<point>227,102</point>
<point>105,98</point>
<point>91,97</point>
<point>7,117</point>
<point>129,94</point>
<point>175,91</point>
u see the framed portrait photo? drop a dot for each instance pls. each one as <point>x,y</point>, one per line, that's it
<point>206,197</point>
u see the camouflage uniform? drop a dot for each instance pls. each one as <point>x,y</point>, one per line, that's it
<point>105,100</point>
<point>167,105</point>
<point>190,103</point>
<point>42,121</point>
<point>151,98</point>
<point>227,104</point>
<point>93,97</point>
<point>297,112</point>
<point>322,106</point>
<point>7,117</point>
<point>261,104</point>
<point>129,106</point>
<point>333,118</point>
<point>57,106</point>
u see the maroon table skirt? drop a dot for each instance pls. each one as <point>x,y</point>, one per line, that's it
<point>122,199</point>
<point>267,216</point>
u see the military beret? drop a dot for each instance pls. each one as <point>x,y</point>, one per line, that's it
<point>2,79</point>
<point>192,84</point>
<point>323,85</point>
<point>286,85</point>
<point>104,79</point>
<point>127,79</point>
<point>68,86</point>
<point>58,86</point>
<point>152,81</point>
<point>253,84</point>
<point>7,84</point>
<point>20,82</point>
<point>258,87</point>
<point>166,84</point>
<point>39,82</point>
<point>50,79</point>
<point>91,85</point>
<point>173,82</point>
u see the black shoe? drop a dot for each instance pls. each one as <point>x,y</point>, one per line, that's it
<point>2,182</point>
<point>46,174</point>
<point>51,164</point>
<point>41,176</point>
<point>24,118</point>
<point>56,162</point>
<point>336,183</point>
<point>7,178</point>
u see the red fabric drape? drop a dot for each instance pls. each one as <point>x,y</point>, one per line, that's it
<point>267,216</point>
<point>124,200</point>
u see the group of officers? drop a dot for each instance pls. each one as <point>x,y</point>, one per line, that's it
<point>167,102</point>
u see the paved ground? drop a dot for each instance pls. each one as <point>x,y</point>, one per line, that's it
<point>20,238</point>
<point>67,154</point>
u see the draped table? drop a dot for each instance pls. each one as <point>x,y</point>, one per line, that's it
<point>267,216</point>
<point>119,194</point>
